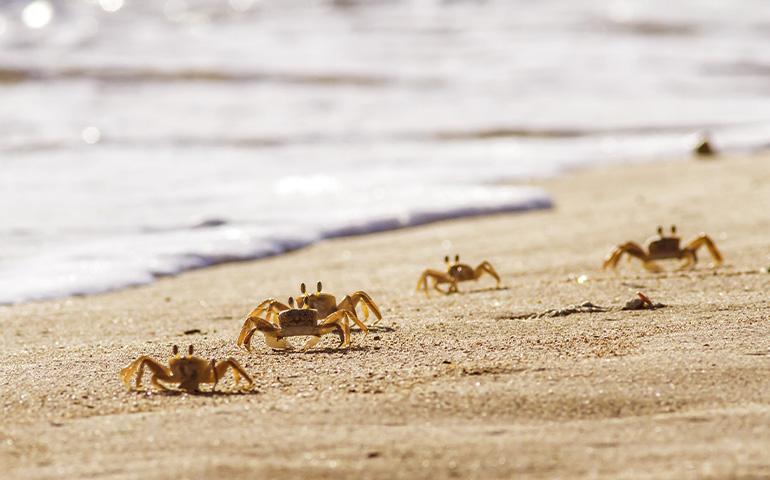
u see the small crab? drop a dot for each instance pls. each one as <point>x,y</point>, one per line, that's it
<point>664,247</point>
<point>296,322</point>
<point>325,303</point>
<point>189,372</point>
<point>456,272</point>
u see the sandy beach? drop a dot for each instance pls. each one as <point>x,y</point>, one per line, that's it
<point>459,386</point>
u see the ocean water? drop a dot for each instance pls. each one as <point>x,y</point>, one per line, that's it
<point>145,137</point>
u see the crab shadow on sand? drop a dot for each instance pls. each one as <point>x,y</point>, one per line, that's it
<point>200,393</point>
<point>376,329</point>
<point>478,290</point>
<point>323,351</point>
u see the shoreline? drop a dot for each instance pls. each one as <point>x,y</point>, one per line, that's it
<point>446,386</point>
<point>531,199</point>
<point>537,200</point>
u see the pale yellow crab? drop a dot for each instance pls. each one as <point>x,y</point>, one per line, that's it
<point>325,303</point>
<point>456,272</point>
<point>663,247</point>
<point>296,322</point>
<point>188,372</point>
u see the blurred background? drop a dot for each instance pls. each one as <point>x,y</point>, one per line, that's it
<point>145,137</point>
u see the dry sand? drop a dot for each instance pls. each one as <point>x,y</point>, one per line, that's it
<point>449,386</point>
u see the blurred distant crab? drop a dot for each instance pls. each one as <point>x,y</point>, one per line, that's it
<point>456,272</point>
<point>296,322</point>
<point>189,372</point>
<point>664,247</point>
<point>325,303</point>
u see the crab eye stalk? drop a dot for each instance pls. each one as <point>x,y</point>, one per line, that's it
<point>291,302</point>
<point>446,259</point>
<point>190,350</point>
<point>673,229</point>
<point>319,286</point>
<point>457,258</point>
<point>302,288</point>
<point>175,350</point>
<point>660,230</point>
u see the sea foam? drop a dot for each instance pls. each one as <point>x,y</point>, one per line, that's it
<point>122,226</point>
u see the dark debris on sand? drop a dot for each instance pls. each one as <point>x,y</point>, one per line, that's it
<point>640,302</point>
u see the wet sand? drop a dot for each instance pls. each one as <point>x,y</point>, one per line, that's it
<point>460,386</point>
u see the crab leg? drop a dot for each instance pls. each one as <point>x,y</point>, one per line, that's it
<point>485,266</point>
<point>349,306</point>
<point>271,306</point>
<point>704,239</point>
<point>127,372</point>
<point>689,260</point>
<point>452,287</point>
<point>263,306</point>
<point>630,248</point>
<point>159,372</point>
<point>213,373</point>
<point>634,250</point>
<point>350,302</point>
<point>248,325</point>
<point>337,322</point>
<point>270,332</point>
<point>220,369</point>
<point>366,303</point>
<point>439,277</point>
<point>253,322</point>
<point>422,283</point>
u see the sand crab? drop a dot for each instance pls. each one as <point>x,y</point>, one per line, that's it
<point>664,247</point>
<point>189,372</point>
<point>296,322</point>
<point>456,272</point>
<point>325,303</point>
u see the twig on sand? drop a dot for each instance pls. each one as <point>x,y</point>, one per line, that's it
<point>585,307</point>
<point>640,302</point>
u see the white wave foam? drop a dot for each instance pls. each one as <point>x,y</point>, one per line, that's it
<point>101,260</point>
